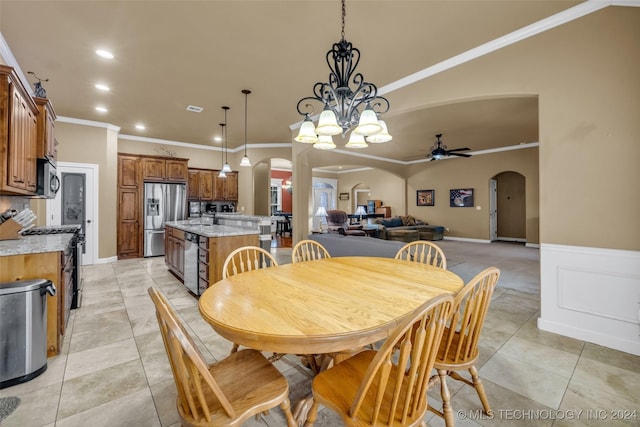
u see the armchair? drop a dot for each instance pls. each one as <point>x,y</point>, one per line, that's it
<point>338,222</point>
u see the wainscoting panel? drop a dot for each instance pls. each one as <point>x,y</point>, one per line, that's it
<point>591,294</point>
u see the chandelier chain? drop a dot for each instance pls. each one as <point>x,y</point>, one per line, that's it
<point>344,12</point>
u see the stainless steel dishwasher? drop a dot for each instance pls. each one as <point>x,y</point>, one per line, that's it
<point>191,262</point>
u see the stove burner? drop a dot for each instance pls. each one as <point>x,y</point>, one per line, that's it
<point>53,230</point>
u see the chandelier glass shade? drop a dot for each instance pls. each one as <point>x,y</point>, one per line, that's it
<point>349,102</point>
<point>245,162</point>
<point>325,142</point>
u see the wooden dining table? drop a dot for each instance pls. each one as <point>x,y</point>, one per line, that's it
<point>324,306</point>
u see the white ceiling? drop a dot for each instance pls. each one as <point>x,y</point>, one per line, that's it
<point>171,54</point>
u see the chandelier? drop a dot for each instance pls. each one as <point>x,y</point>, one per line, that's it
<point>344,108</point>
<point>245,162</point>
<point>226,168</point>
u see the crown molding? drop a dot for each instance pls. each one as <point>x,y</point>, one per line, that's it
<point>73,120</point>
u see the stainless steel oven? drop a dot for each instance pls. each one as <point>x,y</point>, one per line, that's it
<point>48,181</point>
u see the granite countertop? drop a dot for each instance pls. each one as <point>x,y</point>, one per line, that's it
<point>204,227</point>
<point>35,244</point>
<point>239,216</point>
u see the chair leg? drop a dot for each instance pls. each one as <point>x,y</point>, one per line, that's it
<point>234,348</point>
<point>312,415</point>
<point>447,410</point>
<point>286,408</point>
<point>477,383</point>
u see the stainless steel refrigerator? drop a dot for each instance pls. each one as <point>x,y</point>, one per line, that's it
<point>162,203</point>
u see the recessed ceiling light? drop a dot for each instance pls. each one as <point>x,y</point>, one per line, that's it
<point>217,139</point>
<point>140,126</point>
<point>101,109</point>
<point>100,86</point>
<point>104,54</point>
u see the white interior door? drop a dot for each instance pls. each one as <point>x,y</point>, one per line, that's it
<point>88,217</point>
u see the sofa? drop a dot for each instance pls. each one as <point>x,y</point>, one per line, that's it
<point>339,245</point>
<point>407,229</point>
<point>338,222</point>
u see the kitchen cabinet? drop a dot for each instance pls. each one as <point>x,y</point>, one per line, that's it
<point>46,265</point>
<point>164,169</point>
<point>129,230</point>
<point>213,251</point>
<point>226,189</point>
<point>200,185</point>
<point>174,251</point>
<point>18,136</point>
<point>47,145</point>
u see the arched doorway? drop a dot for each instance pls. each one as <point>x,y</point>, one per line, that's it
<point>508,207</point>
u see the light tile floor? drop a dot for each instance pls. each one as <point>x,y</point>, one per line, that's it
<point>113,370</point>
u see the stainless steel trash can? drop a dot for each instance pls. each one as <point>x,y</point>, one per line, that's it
<point>23,330</point>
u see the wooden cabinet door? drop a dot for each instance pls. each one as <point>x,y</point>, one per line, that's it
<point>176,170</point>
<point>193,185</point>
<point>218,186</point>
<point>128,223</point>
<point>17,149</point>
<point>30,142</point>
<point>231,187</point>
<point>46,126</point>
<point>206,185</point>
<point>153,169</point>
<point>180,257</point>
<point>129,171</point>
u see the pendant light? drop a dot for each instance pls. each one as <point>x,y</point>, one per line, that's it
<point>226,168</point>
<point>245,159</point>
<point>222,174</point>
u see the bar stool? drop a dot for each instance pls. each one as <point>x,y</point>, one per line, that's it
<point>282,227</point>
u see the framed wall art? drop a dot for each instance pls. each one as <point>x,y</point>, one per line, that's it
<point>344,196</point>
<point>425,197</point>
<point>461,198</point>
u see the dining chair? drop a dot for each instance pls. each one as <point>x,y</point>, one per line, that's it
<point>243,259</point>
<point>247,258</point>
<point>459,346</point>
<point>226,393</point>
<point>386,387</point>
<point>423,251</point>
<point>308,250</point>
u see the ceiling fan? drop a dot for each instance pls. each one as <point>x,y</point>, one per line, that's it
<point>439,151</point>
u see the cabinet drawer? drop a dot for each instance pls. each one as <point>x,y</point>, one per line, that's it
<point>178,234</point>
<point>203,256</point>
<point>203,284</point>
<point>203,271</point>
<point>204,242</point>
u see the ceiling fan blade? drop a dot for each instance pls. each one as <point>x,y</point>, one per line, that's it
<point>459,154</point>
<point>459,149</point>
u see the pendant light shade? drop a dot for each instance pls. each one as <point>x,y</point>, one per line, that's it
<point>368,124</point>
<point>325,142</point>
<point>226,167</point>
<point>222,174</point>
<point>356,141</point>
<point>245,162</point>
<point>307,132</point>
<point>380,137</point>
<point>328,124</point>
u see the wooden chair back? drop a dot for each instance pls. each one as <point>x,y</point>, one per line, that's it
<point>423,251</point>
<point>460,340</point>
<point>388,387</point>
<point>190,371</point>
<point>247,258</point>
<point>308,250</point>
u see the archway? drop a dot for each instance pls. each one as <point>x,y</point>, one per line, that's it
<point>508,207</point>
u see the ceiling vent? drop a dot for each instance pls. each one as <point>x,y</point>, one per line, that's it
<point>194,109</point>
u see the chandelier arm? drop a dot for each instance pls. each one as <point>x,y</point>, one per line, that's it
<point>307,108</point>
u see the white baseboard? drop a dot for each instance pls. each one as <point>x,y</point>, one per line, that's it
<point>532,245</point>
<point>591,294</point>
<point>465,239</point>
<point>106,260</point>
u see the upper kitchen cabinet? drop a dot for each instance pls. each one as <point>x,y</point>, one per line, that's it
<point>18,136</point>
<point>47,144</point>
<point>226,188</point>
<point>164,169</point>
<point>201,184</point>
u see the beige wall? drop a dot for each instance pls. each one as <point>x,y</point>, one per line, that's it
<point>95,145</point>
<point>384,186</point>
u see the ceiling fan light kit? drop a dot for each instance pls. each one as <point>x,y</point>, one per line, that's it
<point>344,108</point>
<point>439,151</point>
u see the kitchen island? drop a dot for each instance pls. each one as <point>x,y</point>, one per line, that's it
<point>43,257</point>
<point>195,249</point>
